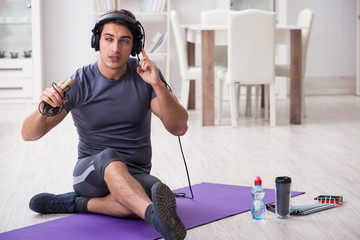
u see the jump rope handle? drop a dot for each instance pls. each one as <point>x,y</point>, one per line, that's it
<point>67,84</point>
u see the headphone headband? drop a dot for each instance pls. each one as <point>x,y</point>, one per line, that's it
<point>138,31</point>
<point>114,16</point>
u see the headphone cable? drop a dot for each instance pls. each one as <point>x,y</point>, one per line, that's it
<point>183,195</point>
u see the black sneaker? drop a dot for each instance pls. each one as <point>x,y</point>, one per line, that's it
<point>165,219</point>
<point>51,203</point>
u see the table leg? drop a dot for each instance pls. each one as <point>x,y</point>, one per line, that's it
<point>207,64</point>
<point>191,62</point>
<point>295,77</point>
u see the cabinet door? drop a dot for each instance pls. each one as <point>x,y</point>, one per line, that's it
<point>20,50</point>
<point>15,28</point>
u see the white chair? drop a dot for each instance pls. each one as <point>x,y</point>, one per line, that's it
<point>187,72</point>
<point>305,20</point>
<point>251,57</point>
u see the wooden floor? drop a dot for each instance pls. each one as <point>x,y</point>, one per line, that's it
<point>322,156</point>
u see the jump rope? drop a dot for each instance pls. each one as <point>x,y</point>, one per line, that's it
<point>49,111</point>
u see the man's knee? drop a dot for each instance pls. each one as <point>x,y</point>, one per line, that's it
<point>118,165</point>
<point>115,168</point>
<point>110,159</point>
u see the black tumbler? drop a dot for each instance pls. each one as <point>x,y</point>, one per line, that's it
<point>282,196</point>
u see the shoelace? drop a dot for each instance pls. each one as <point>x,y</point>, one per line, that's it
<point>60,206</point>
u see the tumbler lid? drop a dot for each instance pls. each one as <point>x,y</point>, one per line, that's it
<point>284,179</point>
<point>257,180</point>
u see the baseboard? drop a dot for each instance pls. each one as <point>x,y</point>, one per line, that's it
<point>330,86</point>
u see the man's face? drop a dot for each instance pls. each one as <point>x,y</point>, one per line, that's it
<point>116,42</point>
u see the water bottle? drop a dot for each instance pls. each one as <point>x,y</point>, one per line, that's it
<point>258,205</point>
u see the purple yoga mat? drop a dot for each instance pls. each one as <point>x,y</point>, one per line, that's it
<point>212,202</point>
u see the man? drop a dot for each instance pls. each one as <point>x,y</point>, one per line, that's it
<point>111,103</point>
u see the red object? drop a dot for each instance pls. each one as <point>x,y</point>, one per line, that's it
<point>257,180</point>
<point>328,199</point>
<point>323,201</point>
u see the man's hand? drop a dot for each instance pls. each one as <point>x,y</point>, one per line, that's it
<point>36,125</point>
<point>53,97</point>
<point>148,70</point>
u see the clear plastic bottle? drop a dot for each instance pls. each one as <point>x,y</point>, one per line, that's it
<point>258,205</point>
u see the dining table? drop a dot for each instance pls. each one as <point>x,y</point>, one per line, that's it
<point>209,36</point>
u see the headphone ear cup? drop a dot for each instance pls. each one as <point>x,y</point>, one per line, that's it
<point>140,44</point>
<point>133,50</point>
<point>137,45</point>
<point>93,41</point>
<point>97,41</point>
<point>95,38</point>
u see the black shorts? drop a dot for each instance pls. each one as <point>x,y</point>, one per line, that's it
<point>88,176</point>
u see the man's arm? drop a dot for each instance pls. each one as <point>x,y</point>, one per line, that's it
<point>165,105</point>
<point>170,111</point>
<point>36,125</point>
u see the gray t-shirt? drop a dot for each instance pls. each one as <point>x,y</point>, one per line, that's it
<point>112,114</point>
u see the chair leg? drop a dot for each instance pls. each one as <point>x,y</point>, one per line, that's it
<point>220,98</point>
<point>266,101</point>
<point>303,107</point>
<point>233,105</point>
<point>272,105</point>
<point>185,90</point>
<point>248,100</point>
<point>238,94</point>
<point>303,99</point>
<point>257,104</point>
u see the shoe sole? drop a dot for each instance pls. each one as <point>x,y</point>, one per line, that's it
<point>165,205</point>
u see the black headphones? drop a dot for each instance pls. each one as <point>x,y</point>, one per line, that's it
<point>134,26</point>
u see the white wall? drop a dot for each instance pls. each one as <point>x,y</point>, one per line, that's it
<point>67,31</point>
<point>332,47</point>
